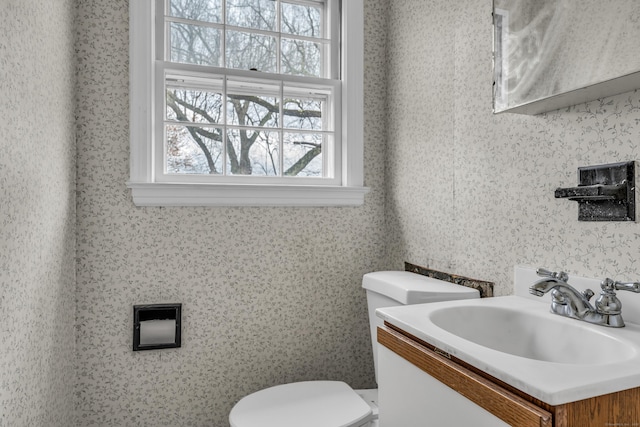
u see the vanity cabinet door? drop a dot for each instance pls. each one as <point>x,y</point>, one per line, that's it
<point>419,387</point>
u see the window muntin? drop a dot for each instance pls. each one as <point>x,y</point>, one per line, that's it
<point>220,125</point>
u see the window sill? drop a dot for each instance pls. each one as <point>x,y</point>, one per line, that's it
<point>173,194</point>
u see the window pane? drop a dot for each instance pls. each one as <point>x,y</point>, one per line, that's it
<point>195,44</point>
<point>197,10</point>
<point>248,51</point>
<point>247,110</point>
<point>193,150</point>
<point>302,113</point>
<point>302,154</point>
<point>301,20</point>
<point>252,103</point>
<point>253,153</point>
<point>194,106</point>
<point>301,58</point>
<point>258,14</point>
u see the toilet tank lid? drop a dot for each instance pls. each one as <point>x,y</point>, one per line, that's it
<point>411,288</point>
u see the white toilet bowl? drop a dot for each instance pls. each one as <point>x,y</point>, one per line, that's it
<point>334,403</point>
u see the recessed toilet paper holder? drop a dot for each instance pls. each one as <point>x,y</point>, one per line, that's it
<point>157,326</point>
<point>604,192</point>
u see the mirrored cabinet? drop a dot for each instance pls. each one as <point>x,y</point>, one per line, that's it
<point>550,54</point>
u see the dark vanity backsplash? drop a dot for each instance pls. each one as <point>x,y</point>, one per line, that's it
<point>485,288</point>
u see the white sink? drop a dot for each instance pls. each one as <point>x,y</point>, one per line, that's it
<point>532,335</point>
<point>517,340</point>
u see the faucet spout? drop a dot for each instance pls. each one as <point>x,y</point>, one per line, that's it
<point>543,286</point>
<point>565,297</point>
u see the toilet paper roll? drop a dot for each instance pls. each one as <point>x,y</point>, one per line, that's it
<point>153,332</point>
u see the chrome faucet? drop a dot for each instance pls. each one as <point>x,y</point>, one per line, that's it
<point>569,302</point>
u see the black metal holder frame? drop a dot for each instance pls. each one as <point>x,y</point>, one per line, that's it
<point>604,193</point>
<point>157,312</point>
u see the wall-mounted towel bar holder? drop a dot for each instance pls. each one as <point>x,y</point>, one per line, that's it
<point>604,192</point>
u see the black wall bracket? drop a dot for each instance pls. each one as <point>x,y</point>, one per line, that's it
<point>604,192</point>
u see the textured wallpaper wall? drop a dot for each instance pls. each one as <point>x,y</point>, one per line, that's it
<point>269,295</point>
<point>37,213</point>
<point>473,193</point>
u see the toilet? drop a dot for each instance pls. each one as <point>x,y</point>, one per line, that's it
<point>334,403</point>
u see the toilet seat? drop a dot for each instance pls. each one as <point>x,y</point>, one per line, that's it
<point>309,404</point>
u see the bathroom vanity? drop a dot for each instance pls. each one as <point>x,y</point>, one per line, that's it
<point>505,361</point>
<point>410,364</point>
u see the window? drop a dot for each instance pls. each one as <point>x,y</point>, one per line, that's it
<point>246,102</point>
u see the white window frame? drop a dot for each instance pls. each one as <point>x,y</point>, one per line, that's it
<point>148,191</point>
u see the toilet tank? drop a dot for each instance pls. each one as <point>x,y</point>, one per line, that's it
<point>391,288</point>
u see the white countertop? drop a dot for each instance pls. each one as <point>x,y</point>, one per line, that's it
<point>553,383</point>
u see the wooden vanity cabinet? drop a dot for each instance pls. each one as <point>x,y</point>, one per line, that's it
<point>507,403</point>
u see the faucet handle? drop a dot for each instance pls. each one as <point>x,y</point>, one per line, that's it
<point>544,272</point>
<point>622,286</point>
<point>588,294</point>
<point>560,275</point>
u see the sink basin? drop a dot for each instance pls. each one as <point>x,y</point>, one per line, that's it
<point>532,335</point>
